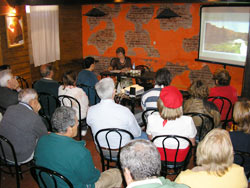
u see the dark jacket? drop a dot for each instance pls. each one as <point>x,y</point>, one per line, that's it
<point>7,97</point>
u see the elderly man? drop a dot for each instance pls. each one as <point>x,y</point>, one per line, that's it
<point>9,88</point>
<point>22,125</point>
<point>108,114</point>
<point>46,84</point>
<point>141,165</point>
<point>60,152</point>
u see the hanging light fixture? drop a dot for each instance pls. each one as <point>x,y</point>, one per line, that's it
<point>94,12</point>
<point>166,14</point>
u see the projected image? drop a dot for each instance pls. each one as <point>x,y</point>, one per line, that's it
<point>227,37</point>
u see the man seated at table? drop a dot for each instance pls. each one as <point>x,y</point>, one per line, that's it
<point>150,97</point>
<point>141,165</point>
<point>9,88</point>
<point>108,114</point>
<point>46,84</point>
<point>60,152</point>
<point>22,126</point>
<point>88,78</point>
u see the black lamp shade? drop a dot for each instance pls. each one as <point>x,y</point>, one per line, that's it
<point>95,13</point>
<point>166,14</point>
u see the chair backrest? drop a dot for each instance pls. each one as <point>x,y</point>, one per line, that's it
<point>175,153</point>
<point>90,92</point>
<point>5,145</point>
<point>70,101</point>
<point>145,115</point>
<point>107,133</point>
<point>243,159</point>
<point>41,175</point>
<point>207,123</point>
<point>143,68</point>
<point>23,83</point>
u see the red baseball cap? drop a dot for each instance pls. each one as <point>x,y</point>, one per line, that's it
<point>171,97</point>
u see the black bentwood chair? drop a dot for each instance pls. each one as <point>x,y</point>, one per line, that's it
<point>71,101</point>
<point>223,100</point>
<point>23,83</point>
<point>173,167</point>
<point>45,177</point>
<point>108,154</point>
<point>145,115</point>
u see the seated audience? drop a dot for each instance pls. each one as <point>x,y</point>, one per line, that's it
<point>171,121</point>
<point>241,138</point>
<point>216,168</point>
<point>198,103</point>
<point>88,78</point>
<point>69,88</point>
<point>22,125</point>
<point>46,84</point>
<point>223,89</point>
<point>60,152</point>
<point>141,165</point>
<point>150,97</point>
<point>9,88</point>
<point>108,114</point>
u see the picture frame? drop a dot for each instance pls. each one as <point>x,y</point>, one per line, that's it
<point>14,30</point>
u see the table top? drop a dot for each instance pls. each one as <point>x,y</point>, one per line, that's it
<point>143,76</point>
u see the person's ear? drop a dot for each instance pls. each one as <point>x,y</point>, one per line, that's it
<point>127,176</point>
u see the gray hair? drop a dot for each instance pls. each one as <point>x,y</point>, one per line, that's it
<point>63,118</point>
<point>5,76</point>
<point>141,158</point>
<point>26,95</point>
<point>105,88</point>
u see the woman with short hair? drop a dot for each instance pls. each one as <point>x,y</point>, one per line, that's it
<point>215,159</point>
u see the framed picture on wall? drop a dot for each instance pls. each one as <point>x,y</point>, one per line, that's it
<point>14,30</point>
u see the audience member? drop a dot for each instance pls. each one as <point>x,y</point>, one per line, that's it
<point>141,165</point>
<point>121,62</point>
<point>241,138</point>
<point>46,84</point>
<point>9,88</point>
<point>88,78</point>
<point>60,152</point>
<point>150,97</point>
<point>198,103</point>
<point>171,121</point>
<point>223,89</point>
<point>108,114</point>
<point>22,125</point>
<point>4,67</point>
<point>69,88</point>
<point>215,160</point>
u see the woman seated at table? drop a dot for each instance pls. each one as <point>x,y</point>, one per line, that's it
<point>121,62</point>
<point>216,168</point>
<point>69,88</point>
<point>171,121</point>
<point>198,103</point>
<point>241,137</point>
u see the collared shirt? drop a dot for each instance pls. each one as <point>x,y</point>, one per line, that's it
<point>25,104</point>
<point>108,114</point>
<point>150,98</point>
<point>145,182</point>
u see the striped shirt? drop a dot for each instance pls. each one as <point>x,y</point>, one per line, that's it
<point>150,97</point>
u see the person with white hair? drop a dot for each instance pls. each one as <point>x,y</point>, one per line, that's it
<point>108,114</point>
<point>9,88</point>
<point>22,125</point>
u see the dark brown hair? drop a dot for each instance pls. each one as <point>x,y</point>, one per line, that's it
<point>222,76</point>
<point>69,78</point>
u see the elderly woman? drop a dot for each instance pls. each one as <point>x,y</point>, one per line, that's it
<point>69,88</point>
<point>170,120</point>
<point>198,103</point>
<point>215,160</point>
<point>223,89</point>
<point>241,137</point>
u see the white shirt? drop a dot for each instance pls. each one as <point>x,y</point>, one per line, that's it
<point>78,94</point>
<point>182,126</point>
<point>108,114</point>
<point>145,182</point>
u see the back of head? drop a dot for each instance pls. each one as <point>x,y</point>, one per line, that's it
<point>5,76</point>
<point>45,70</point>
<point>4,67</point>
<point>105,88</point>
<point>120,50</point>
<point>241,115</point>
<point>222,76</point>
<point>69,78</point>
<point>26,95</point>
<point>62,118</point>
<point>88,61</point>
<point>198,89</point>
<point>163,77</point>
<point>215,152</point>
<point>141,158</point>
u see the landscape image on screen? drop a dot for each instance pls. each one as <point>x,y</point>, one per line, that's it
<point>227,37</point>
